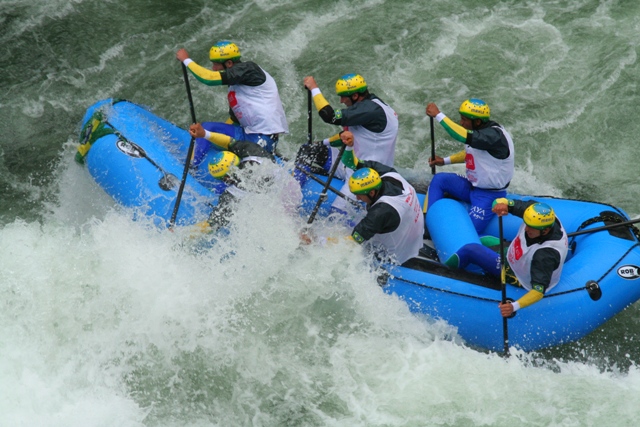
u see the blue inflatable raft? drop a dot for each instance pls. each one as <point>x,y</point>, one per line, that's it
<point>601,277</point>
<point>138,159</point>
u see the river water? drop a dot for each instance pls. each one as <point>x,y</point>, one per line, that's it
<point>107,322</point>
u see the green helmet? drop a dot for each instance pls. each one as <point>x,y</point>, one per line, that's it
<point>364,180</point>
<point>224,51</point>
<point>475,109</point>
<point>350,84</point>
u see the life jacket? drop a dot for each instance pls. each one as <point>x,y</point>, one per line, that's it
<point>379,147</point>
<point>487,172</point>
<point>258,108</point>
<point>520,256</point>
<point>406,240</point>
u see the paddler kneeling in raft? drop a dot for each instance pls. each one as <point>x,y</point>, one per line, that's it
<point>535,257</point>
<point>394,223</point>
<point>255,109</point>
<point>237,167</point>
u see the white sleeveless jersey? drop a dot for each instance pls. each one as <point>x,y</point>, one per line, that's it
<point>520,256</point>
<point>379,147</point>
<point>406,240</point>
<point>258,108</point>
<point>485,171</point>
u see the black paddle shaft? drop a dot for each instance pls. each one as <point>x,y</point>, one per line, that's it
<point>604,227</point>
<point>505,328</point>
<point>187,162</point>
<point>323,195</point>
<point>433,146</point>
<point>309,121</point>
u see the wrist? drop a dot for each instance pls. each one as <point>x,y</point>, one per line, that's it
<point>502,200</point>
<point>187,61</point>
<point>515,305</point>
<point>440,117</point>
<point>315,91</point>
<point>447,160</point>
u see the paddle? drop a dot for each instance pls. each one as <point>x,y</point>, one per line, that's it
<point>323,194</point>
<point>604,227</point>
<point>433,146</point>
<point>433,156</point>
<point>332,188</point>
<point>187,162</point>
<point>503,283</point>
<point>309,123</point>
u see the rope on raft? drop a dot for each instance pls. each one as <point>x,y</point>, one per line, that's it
<point>582,288</point>
<point>611,218</point>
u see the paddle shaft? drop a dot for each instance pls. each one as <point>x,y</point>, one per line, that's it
<point>433,146</point>
<point>332,188</point>
<point>187,162</point>
<point>309,121</point>
<point>323,195</point>
<point>604,227</point>
<point>503,283</point>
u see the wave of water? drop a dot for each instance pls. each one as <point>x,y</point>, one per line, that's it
<point>108,322</point>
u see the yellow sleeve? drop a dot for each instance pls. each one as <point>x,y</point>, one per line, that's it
<point>221,140</point>
<point>456,131</point>
<point>319,101</point>
<point>459,157</point>
<point>335,140</point>
<point>205,75</point>
<point>530,298</point>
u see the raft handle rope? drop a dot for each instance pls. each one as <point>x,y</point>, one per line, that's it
<point>168,181</point>
<point>592,286</point>
<point>446,291</point>
<point>615,222</point>
<point>580,200</point>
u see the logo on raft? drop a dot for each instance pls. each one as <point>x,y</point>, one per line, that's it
<point>129,148</point>
<point>629,272</point>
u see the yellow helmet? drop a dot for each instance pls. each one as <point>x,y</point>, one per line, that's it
<point>222,162</point>
<point>539,216</point>
<point>364,180</point>
<point>350,84</point>
<point>475,109</point>
<point>224,51</point>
